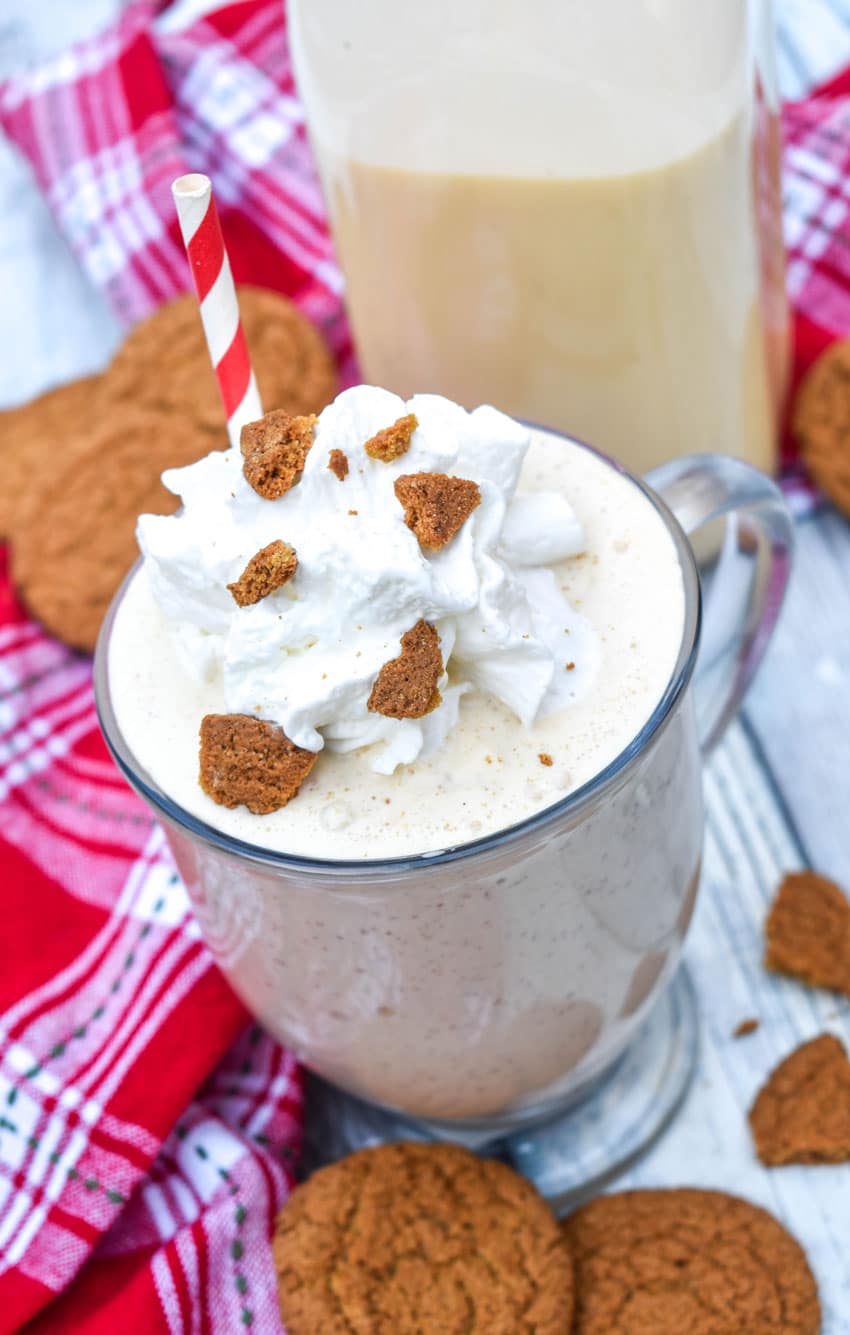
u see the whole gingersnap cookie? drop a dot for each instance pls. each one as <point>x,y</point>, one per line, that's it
<point>821,422</point>
<point>687,1262</point>
<point>79,539</point>
<point>409,1239</point>
<point>164,361</point>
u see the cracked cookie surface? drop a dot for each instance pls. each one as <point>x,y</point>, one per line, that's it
<point>411,1238</point>
<point>687,1262</point>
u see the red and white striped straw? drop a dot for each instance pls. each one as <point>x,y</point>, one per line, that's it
<point>213,281</point>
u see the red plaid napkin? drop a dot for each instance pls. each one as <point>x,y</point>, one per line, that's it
<point>816,206</point>
<point>129,1186</point>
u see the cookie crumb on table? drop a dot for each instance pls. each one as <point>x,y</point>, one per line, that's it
<point>545,758</point>
<point>406,687</point>
<point>393,441</point>
<point>802,1113</point>
<point>808,932</point>
<point>248,762</point>
<point>745,1028</point>
<point>435,505</point>
<point>269,569</point>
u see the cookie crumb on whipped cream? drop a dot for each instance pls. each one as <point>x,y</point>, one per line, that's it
<point>317,665</point>
<point>247,761</point>
<point>338,464</point>
<point>436,506</point>
<point>406,687</point>
<point>275,449</point>
<point>393,441</point>
<point>269,569</point>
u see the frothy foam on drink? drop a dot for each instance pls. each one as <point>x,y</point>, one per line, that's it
<point>307,655</point>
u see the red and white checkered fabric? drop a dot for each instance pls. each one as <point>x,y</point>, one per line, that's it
<point>133,1195</point>
<point>113,1150</point>
<point>816,201</point>
<point>108,126</point>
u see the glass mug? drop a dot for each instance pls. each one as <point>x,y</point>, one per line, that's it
<point>484,987</point>
<point>569,210</point>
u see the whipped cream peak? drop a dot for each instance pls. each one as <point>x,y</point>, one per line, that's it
<point>306,655</point>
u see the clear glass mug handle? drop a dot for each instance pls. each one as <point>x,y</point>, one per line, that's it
<point>745,563</point>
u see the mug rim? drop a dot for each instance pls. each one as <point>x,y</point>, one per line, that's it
<point>572,805</point>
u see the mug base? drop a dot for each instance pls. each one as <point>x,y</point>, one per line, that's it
<point>570,1154</point>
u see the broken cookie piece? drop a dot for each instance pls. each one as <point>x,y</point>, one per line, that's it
<point>245,761</point>
<point>744,1028</point>
<point>393,441</point>
<point>808,932</point>
<point>802,1114</point>
<point>270,568</point>
<point>338,464</point>
<point>275,449</point>
<point>435,505</point>
<point>406,687</point>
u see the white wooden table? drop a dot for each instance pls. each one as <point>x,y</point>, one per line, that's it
<point>778,790</point>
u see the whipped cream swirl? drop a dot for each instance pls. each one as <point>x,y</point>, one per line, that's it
<point>307,655</point>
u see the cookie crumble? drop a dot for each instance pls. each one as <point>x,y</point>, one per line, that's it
<point>802,1113</point>
<point>746,1027</point>
<point>436,506</point>
<point>274,450</point>
<point>269,569</point>
<point>338,464</point>
<point>808,932</point>
<point>406,687</point>
<point>247,762</point>
<point>393,441</point>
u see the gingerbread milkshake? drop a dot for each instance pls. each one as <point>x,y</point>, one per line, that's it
<point>447,831</point>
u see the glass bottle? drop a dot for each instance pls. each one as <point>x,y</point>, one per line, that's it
<point>568,210</point>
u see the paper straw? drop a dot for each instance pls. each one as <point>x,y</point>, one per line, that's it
<point>213,281</point>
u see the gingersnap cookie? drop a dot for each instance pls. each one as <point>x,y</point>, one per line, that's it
<point>406,1239</point>
<point>687,1262</point>
<point>808,932</point>
<point>821,422</point>
<point>802,1113</point>
<point>164,361</point>
<point>79,540</point>
<point>34,433</point>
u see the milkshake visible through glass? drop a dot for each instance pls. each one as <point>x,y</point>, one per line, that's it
<point>496,980</point>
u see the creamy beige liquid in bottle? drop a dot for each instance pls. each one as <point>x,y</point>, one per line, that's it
<point>553,212</point>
